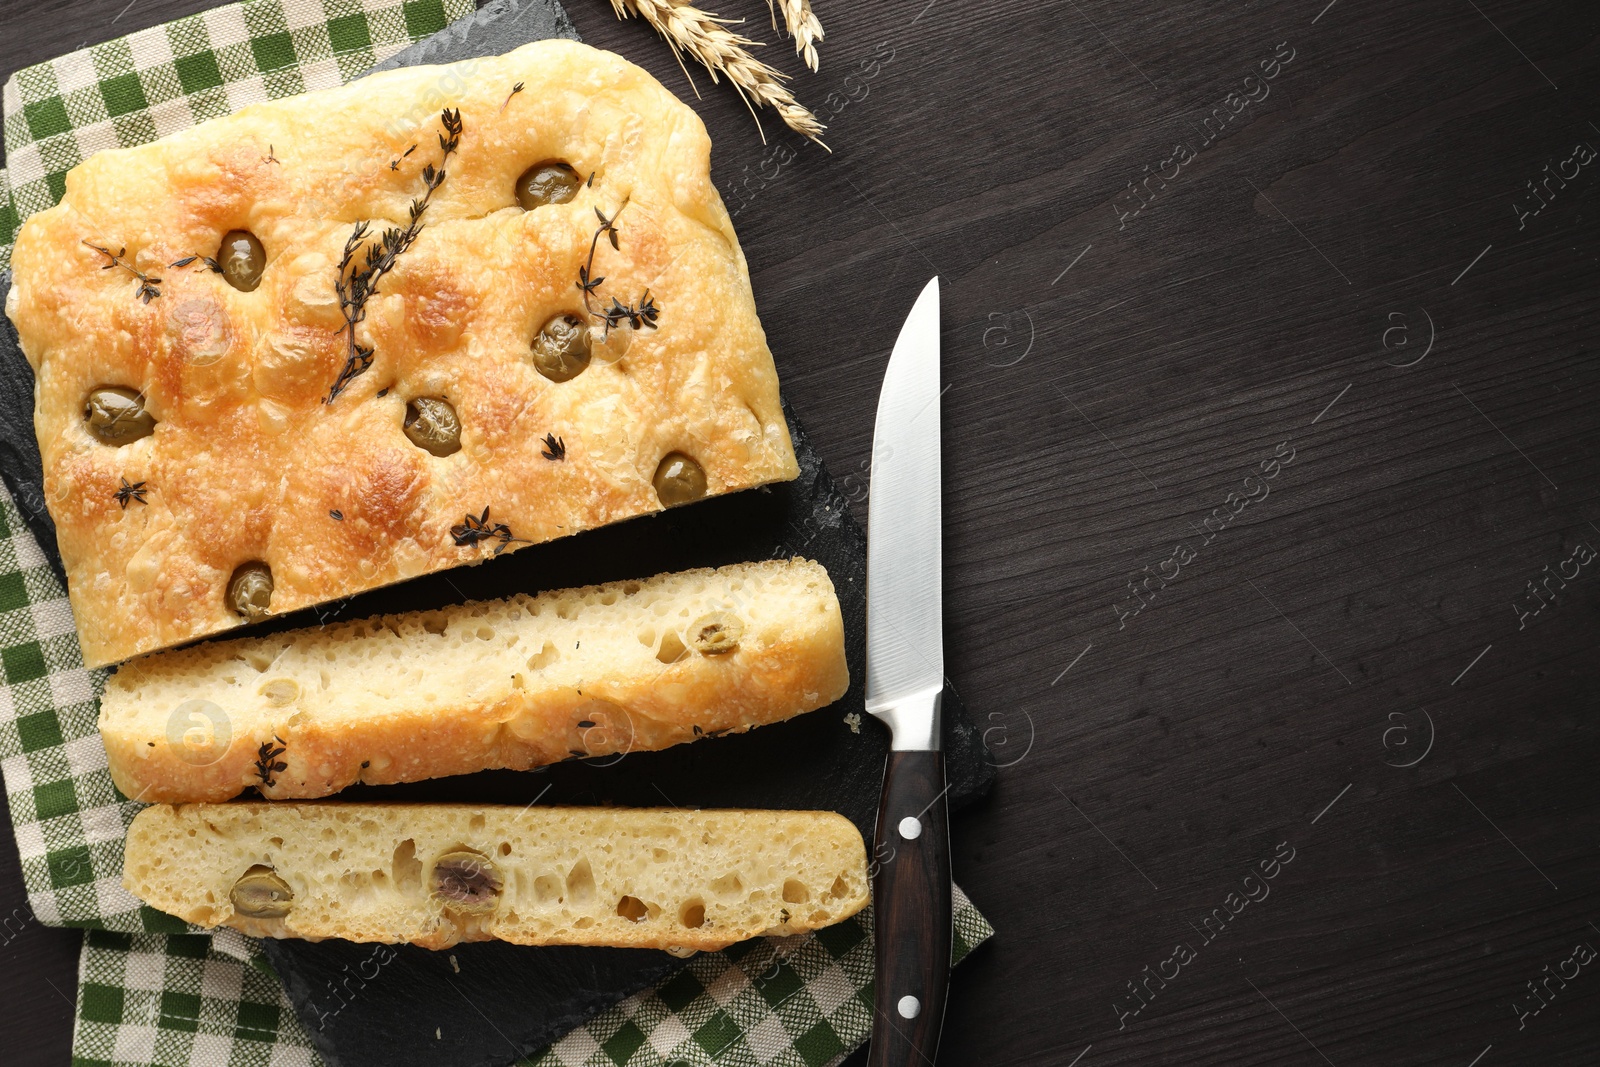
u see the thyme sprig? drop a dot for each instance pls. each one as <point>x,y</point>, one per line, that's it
<point>476,528</point>
<point>359,277</point>
<point>515,89</point>
<point>638,315</point>
<point>146,290</point>
<point>131,491</point>
<point>554,448</point>
<point>210,262</point>
<point>394,164</point>
<point>267,762</point>
<point>608,228</point>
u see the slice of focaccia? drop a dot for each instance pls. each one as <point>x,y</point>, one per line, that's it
<point>519,683</point>
<point>438,874</point>
<point>332,342</point>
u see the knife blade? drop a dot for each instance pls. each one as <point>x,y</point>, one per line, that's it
<point>905,680</point>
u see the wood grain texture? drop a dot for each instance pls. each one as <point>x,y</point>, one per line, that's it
<point>1094,420</point>
<point>911,910</point>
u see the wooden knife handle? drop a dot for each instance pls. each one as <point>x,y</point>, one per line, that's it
<point>911,911</point>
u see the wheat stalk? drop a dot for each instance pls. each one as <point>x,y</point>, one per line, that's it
<point>705,38</point>
<point>803,26</point>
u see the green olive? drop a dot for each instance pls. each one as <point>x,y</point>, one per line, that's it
<point>243,259</point>
<point>464,880</point>
<point>116,416</point>
<point>261,894</point>
<point>716,633</point>
<point>432,425</point>
<point>561,350</point>
<point>550,182</point>
<point>250,591</point>
<point>679,479</point>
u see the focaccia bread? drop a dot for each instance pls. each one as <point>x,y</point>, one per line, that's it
<point>335,341</point>
<point>518,683</point>
<point>438,874</point>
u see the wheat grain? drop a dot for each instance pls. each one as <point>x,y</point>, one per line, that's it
<point>803,26</point>
<point>705,38</point>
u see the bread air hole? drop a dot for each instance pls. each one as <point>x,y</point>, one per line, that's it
<point>407,868</point>
<point>580,883</point>
<point>672,648</point>
<point>632,909</point>
<point>795,891</point>
<point>280,692</point>
<point>547,889</point>
<point>541,659</point>
<point>729,885</point>
<point>693,914</point>
<point>840,888</point>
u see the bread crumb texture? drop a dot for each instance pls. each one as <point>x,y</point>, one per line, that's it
<point>435,875</point>
<point>246,462</point>
<point>593,672</point>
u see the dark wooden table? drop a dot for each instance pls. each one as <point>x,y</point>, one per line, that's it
<point>1271,499</point>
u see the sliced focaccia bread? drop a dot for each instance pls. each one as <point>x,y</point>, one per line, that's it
<point>340,340</point>
<point>518,683</point>
<point>437,874</point>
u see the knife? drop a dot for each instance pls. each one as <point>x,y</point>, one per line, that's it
<point>905,680</point>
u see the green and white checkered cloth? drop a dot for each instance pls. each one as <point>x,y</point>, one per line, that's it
<point>167,78</point>
<point>804,1001</point>
<point>153,990</point>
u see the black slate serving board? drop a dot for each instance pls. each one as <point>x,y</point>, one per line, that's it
<point>372,1005</point>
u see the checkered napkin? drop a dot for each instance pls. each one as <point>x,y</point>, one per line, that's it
<point>802,1001</point>
<point>167,78</point>
<point>153,990</point>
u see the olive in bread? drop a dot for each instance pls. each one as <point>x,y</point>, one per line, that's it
<point>516,683</point>
<point>438,874</point>
<point>381,330</point>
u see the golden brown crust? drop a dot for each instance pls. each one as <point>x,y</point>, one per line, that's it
<point>247,462</point>
<point>401,698</point>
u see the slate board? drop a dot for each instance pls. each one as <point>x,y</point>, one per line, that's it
<point>363,1007</point>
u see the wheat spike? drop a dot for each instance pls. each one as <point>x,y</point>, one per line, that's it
<point>803,26</point>
<point>705,38</point>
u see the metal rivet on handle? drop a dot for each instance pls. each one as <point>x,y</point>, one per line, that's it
<point>910,829</point>
<point>910,1007</point>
